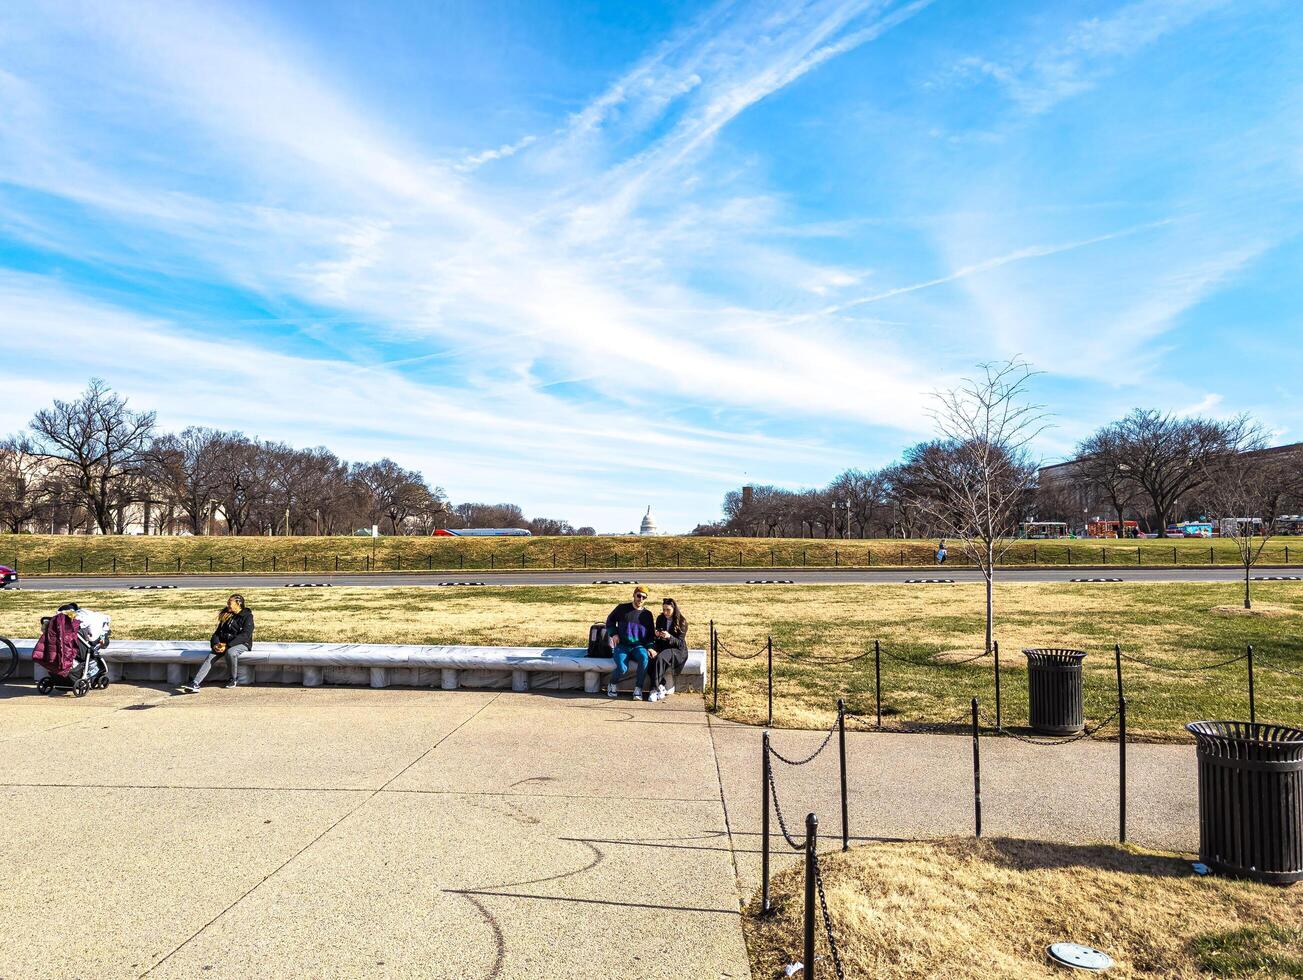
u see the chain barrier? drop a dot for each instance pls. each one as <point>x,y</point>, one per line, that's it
<point>1084,733</point>
<point>827,921</point>
<point>810,659</point>
<point>809,758</point>
<point>929,663</point>
<point>778,810</point>
<point>738,656</point>
<point>1258,661</point>
<point>1184,670</point>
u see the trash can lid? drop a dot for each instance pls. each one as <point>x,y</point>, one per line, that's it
<point>1054,655</point>
<point>1247,739</point>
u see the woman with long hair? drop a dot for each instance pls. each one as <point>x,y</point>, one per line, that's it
<point>233,636</point>
<point>670,651</point>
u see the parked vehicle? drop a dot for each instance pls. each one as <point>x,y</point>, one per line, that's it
<point>8,577</point>
<point>482,532</point>
<point>1190,529</point>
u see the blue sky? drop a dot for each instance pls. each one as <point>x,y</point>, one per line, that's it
<point>589,257</point>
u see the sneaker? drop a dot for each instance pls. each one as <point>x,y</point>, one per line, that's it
<point>230,684</point>
<point>654,696</point>
<point>610,690</point>
<point>660,692</point>
<point>637,693</point>
<point>189,689</point>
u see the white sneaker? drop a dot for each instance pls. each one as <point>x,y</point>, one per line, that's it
<point>660,692</point>
<point>610,690</point>
<point>637,693</point>
<point>654,696</point>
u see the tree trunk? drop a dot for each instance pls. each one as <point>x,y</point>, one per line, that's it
<point>1247,603</point>
<point>990,598</point>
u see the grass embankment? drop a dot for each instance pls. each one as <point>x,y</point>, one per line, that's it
<point>1167,624</point>
<point>36,554</point>
<point>969,908</point>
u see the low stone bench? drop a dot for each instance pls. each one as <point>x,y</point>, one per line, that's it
<point>376,664</point>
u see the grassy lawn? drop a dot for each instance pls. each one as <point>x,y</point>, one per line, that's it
<point>977,909</point>
<point>921,628</point>
<point>62,554</point>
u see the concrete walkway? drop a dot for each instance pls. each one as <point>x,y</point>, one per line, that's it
<point>409,833</point>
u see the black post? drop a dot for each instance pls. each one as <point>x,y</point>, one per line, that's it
<point>242,563</point>
<point>771,682</point>
<point>995,645</point>
<point>305,563</point>
<point>273,563</point>
<point>811,867</point>
<point>841,745</point>
<point>977,773</point>
<point>764,824</point>
<point>714,642</point>
<point>1253,712</point>
<point>337,563</point>
<point>877,677</point>
<point>210,563</point>
<point>1117,661</point>
<point>82,559</point>
<point>147,564</point>
<point>1122,770</point>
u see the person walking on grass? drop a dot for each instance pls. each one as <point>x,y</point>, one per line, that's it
<point>233,636</point>
<point>630,629</point>
<point>670,650</point>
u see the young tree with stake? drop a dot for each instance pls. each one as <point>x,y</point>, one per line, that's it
<point>976,479</point>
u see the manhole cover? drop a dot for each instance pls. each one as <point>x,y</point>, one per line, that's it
<point>1080,957</point>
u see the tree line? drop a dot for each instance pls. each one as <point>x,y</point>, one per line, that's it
<point>1150,467</point>
<point>97,464</point>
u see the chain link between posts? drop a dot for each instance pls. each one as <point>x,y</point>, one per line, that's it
<point>1084,733</point>
<point>739,656</point>
<point>930,663</point>
<point>814,755</point>
<point>778,810</point>
<point>1184,670</point>
<point>827,921</point>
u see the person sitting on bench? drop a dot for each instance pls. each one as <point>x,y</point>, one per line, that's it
<point>630,629</point>
<point>670,651</point>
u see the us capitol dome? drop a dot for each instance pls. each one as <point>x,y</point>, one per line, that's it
<point>648,523</point>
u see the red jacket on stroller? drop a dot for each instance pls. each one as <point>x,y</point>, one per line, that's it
<point>56,650</point>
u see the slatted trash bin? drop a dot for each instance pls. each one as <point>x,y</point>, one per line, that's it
<point>1250,799</point>
<point>1054,702</point>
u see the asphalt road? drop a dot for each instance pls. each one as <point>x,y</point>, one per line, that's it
<point>697,576</point>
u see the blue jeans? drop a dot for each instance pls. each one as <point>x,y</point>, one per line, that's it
<point>621,655</point>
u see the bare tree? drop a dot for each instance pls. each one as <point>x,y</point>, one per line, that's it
<point>394,492</point>
<point>97,442</point>
<point>1245,490</point>
<point>1169,456</point>
<point>25,490</point>
<point>187,467</point>
<point>977,478</point>
<point>1104,468</point>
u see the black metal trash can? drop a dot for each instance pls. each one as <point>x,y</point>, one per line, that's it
<point>1054,699</point>
<point>1250,799</point>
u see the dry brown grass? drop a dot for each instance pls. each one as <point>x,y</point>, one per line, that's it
<point>1259,609</point>
<point>1164,623</point>
<point>969,909</point>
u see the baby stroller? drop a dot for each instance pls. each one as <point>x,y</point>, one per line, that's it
<point>87,670</point>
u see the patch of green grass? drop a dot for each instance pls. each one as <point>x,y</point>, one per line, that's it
<point>1166,625</point>
<point>613,556</point>
<point>1253,951</point>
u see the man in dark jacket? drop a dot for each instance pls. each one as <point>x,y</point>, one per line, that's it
<point>630,629</point>
<point>233,636</point>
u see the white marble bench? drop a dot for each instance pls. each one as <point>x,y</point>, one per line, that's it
<point>376,664</point>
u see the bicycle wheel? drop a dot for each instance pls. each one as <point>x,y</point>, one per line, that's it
<point>8,659</point>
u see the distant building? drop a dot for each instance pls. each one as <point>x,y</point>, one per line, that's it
<point>648,523</point>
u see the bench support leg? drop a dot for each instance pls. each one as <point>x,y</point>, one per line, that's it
<point>176,674</point>
<point>312,676</point>
<point>38,672</point>
<point>519,680</point>
<point>379,677</point>
<point>592,681</point>
<point>115,671</point>
<point>448,679</point>
<point>245,674</point>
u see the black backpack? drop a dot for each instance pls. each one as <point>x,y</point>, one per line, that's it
<point>597,642</point>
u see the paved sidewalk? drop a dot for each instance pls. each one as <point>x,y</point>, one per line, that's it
<point>918,786</point>
<point>337,832</point>
<point>344,832</point>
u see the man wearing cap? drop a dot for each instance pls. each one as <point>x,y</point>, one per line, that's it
<point>630,628</point>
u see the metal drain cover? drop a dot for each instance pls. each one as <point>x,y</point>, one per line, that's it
<point>1080,957</point>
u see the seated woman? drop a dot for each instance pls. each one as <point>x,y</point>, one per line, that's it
<point>670,651</point>
<point>234,636</point>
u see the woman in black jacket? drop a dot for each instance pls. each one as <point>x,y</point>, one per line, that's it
<point>233,636</point>
<point>670,651</point>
